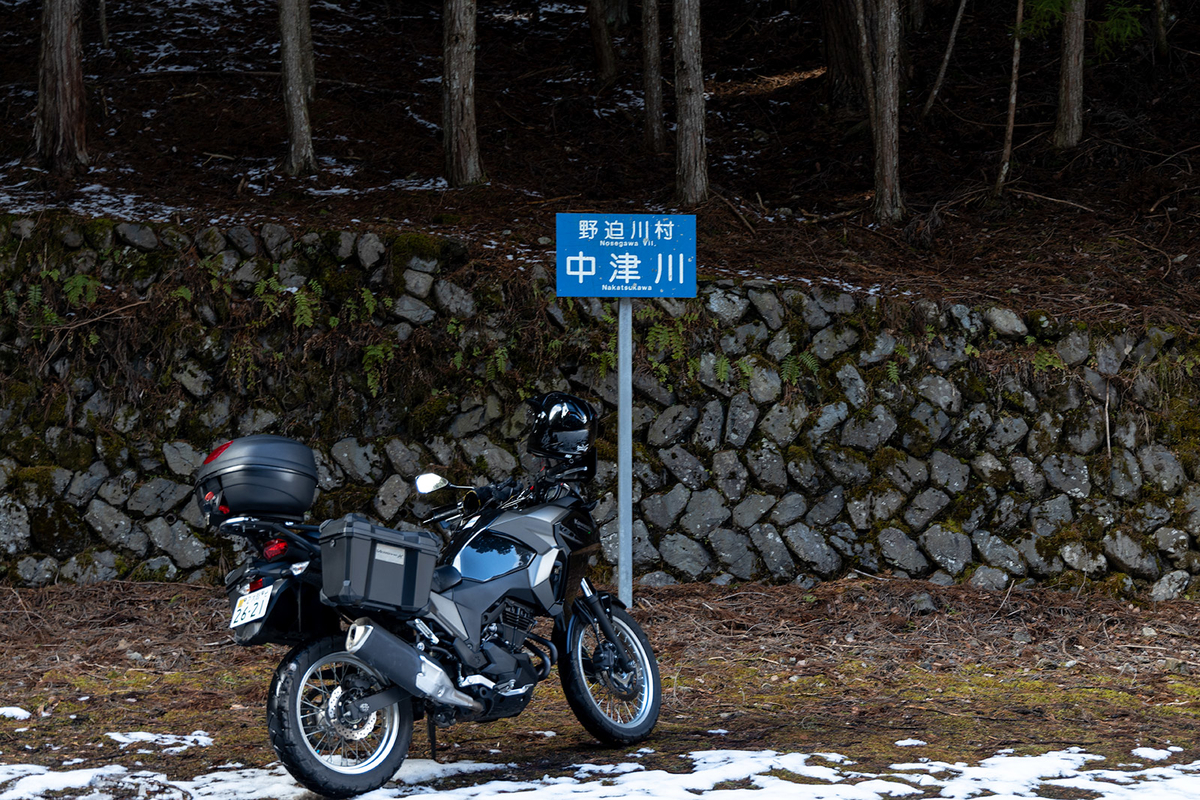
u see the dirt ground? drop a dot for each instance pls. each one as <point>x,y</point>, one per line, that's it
<point>185,118</point>
<point>851,666</point>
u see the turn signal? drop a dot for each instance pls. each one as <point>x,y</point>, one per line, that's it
<point>274,548</point>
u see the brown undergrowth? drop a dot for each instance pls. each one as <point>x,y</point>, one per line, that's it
<point>851,666</point>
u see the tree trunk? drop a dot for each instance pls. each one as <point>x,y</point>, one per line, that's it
<point>656,134</point>
<point>102,9</point>
<point>916,14</point>
<point>1006,158</point>
<point>606,56</point>
<point>1162,48</point>
<point>843,64</point>
<point>60,124</point>
<point>691,155</point>
<point>1069,128</point>
<point>618,13</point>
<point>881,74</point>
<point>307,63</point>
<point>300,157</point>
<point>889,208</point>
<point>941,76</point>
<point>463,167</point>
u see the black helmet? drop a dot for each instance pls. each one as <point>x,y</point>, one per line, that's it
<point>564,426</point>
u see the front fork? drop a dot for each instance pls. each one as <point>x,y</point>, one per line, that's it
<point>598,614</point>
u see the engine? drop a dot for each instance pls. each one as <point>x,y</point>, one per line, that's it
<point>511,648</point>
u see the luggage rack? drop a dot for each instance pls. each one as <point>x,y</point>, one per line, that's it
<point>265,527</point>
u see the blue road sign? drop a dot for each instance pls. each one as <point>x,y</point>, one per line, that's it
<point>626,255</point>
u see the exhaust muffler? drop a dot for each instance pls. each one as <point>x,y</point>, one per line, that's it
<point>400,663</point>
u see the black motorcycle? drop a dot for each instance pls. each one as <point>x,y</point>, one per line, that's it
<point>444,633</point>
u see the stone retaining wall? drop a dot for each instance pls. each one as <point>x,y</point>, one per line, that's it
<point>782,433</point>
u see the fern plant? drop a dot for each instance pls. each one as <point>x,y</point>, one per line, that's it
<point>305,305</point>
<point>789,369</point>
<point>810,361</point>
<point>375,357</point>
<point>81,289</point>
<point>1045,359</point>
<point>745,366</point>
<point>721,367</point>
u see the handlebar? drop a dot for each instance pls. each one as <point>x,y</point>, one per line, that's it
<point>444,513</point>
<point>505,494</point>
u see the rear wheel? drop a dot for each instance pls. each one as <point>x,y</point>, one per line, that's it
<point>617,706</point>
<point>315,731</point>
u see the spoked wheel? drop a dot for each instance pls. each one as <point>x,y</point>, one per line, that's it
<point>615,705</point>
<point>316,730</point>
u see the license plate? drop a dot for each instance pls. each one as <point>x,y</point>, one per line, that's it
<point>251,607</point>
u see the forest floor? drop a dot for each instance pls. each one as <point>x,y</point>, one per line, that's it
<point>185,123</point>
<point>852,667</point>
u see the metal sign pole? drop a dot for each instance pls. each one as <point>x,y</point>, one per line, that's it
<point>623,256</point>
<point>625,450</point>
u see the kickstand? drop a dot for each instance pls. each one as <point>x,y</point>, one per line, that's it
<point>431,729</point>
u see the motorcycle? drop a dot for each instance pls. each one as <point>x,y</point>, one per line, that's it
<point>389,627</point>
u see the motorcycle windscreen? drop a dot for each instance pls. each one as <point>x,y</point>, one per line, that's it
<point>489,555</point>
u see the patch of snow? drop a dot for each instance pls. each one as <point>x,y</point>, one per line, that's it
<point>1151,754</point>
<point>1003,775</point>
<point>585,770</point>
<point>29,781</point>
<point>170,743</point>
<point>911,743</point>
<point>12,712</point>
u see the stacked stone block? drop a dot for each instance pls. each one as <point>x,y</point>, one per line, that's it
<point>809,433</point>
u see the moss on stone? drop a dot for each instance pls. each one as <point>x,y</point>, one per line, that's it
<point>1086,530</point>
<point>974,387</point>
<point>31,450</point>
<point>963,506</point>
<point>341,282</point>
<point>98,230</point>
<point>1179,424</point>
<point>916,436</point>
<point>606,450</point>
<point>347,500</point>
<point>58,530</point>
<point>113,448</point>
<point>429,415</point>
<point>77,454</point>
<point>17,396</point>
<point>796,452</point>
<point>406,246</point>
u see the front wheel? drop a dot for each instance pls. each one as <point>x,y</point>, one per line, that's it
<point>315,731</point>
<point>618,707</point>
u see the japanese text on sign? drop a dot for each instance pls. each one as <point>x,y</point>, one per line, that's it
<point>626,255</point>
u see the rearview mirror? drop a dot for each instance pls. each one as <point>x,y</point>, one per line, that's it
<point>429,482</point>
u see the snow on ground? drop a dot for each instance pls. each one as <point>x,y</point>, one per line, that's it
<point>765,773</point>
<point>169,743</point>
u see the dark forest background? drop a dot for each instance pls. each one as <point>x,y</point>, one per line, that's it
<point>831,148</point>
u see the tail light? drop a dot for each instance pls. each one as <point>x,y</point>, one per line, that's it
<point>256,584</point>
<point>215,454</point>
<point>274,548</point>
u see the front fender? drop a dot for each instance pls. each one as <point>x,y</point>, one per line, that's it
<point>579,613</point>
